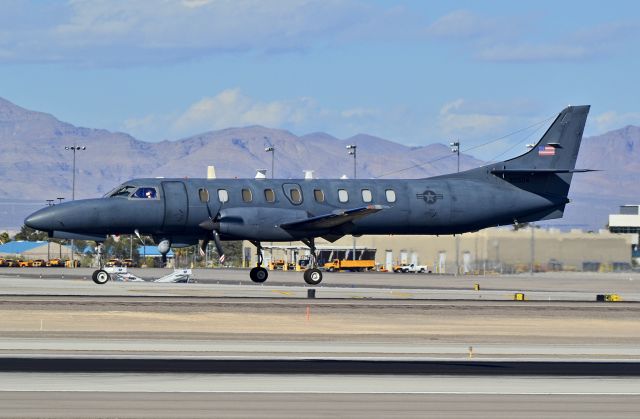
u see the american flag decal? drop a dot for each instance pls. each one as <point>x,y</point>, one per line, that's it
<point>546,150</point>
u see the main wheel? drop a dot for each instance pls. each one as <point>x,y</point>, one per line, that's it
<point>313,276</point>
<point>258,274</point>
<point>100,277</point>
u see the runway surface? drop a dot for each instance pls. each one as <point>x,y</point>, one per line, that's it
<point>368,345</point>
<point>99,404</point>
<point>235,283</point>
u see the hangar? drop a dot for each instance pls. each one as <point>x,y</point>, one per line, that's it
<point>35,250</point>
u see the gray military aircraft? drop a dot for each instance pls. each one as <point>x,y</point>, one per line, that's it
<point>183,212</point>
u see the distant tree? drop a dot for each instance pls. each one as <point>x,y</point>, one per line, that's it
<point>4,238</point>
<point>232,253</point>
<point>29,234</point>
<point>520,226</point>
<point>121,248</point>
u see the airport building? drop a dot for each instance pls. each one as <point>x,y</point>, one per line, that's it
<point>488,251</point>
<point>34,250</point>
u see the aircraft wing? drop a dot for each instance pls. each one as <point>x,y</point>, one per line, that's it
<point>335,219</point>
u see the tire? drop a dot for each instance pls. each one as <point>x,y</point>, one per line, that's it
<point>258,275</point>
<point>312,276</point>
<point>100,277</point>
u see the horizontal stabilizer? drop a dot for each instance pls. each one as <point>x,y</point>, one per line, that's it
<point>335,219</point>
<point>533,171</point>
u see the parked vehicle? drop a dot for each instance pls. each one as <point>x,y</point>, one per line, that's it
<point>56,263</point>
<point>411,268</point>
<point>113,263</point>
<point>350,265</point>
<point>129,263</point>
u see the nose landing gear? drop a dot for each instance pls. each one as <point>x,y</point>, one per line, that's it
<point>100,276</point>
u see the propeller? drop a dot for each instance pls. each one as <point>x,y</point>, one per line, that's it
<point>212,224</point>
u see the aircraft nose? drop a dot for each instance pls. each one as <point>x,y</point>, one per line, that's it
<point>43,220</point>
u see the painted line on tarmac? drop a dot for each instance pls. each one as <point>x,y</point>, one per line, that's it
<point>461,393</point>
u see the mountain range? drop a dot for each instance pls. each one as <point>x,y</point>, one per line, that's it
<point>34,164</point>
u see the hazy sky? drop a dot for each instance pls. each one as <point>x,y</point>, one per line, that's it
<point>416,72</point>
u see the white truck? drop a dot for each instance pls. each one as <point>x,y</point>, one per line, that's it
<point>412,268</point>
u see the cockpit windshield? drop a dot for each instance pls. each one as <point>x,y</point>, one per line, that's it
<point>121,191</point>
<point>145,193</point>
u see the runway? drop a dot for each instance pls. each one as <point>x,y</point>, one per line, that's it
<point>226,404</point>
<point>367,346</point>
<point>234,283</point>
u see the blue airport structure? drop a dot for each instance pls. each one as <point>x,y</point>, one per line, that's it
<point>18,247</point>
<point>152,251</point>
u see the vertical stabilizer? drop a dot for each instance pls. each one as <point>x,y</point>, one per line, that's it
<point>558,147</point>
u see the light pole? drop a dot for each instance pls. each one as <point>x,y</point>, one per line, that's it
<point>73,184</point>
<point>533,247</point>
<point>455,148</point>
<point>352,150</point>
<point>272,150</point>
<point>74,148</point>
<point>49,204</point>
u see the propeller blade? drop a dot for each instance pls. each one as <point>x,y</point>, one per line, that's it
<point>218,243</point>
<point>203,247</point>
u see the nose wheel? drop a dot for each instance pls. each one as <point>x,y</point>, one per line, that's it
<point>100,276</point>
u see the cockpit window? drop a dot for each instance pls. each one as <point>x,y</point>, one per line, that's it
<point>145,193</point>
<point>122,191</point>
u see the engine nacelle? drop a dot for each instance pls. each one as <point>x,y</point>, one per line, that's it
<point>258,223</point>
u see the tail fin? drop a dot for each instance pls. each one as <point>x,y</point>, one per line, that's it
<point>558,148</point>
<point>548,167</point>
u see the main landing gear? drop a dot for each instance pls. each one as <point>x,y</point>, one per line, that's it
<point>100,276</point>
<point>312,276</point>
<point>258,274</point>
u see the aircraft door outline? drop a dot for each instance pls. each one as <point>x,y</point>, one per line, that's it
<point>176,206</point>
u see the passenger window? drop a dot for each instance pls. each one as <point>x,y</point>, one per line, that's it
<point>269,195</point>
<point>391,195</point>
<point>343,195</point>
<point>246,195</point>
<point>293,193</point>
<point>223,195</point>
<point>145,193</point>
<point>296,196</point>
<point>204,195</point>
<point>366,195</point>
<point>319,195</point>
